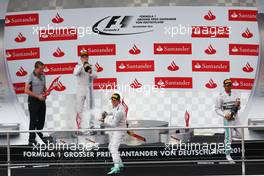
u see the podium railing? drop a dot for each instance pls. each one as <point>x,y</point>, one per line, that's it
<point>11,165</point>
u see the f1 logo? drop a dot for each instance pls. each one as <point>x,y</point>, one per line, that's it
<point>119,21</point>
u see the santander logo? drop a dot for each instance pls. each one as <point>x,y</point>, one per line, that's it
<point>58,53</point>
<point>211,84</point>
<point>210,31</point>
<point>60,87</point>
<point>159,49</point>
<point>46,69</point>
<point>173,66</point>
<point>44,36</point>
<point>210,50</point>
<point>197,65</point>
<point>160,83</point>
<point>242,83</point>
<point>122,66</point>
<point>7,21</point>
<point>247,68</point>
<point>244,49</point>
<point>57,19</point>
<point>98,67</point>
<point>105,83</point>
<point>235,83</point>
<point>234,15</point>
<point>21,72</point>
<point>22,54</point>
<point>234,49</point>
<point>59,68</point>
<point>19,87</point>
<point>247,34</point>
<point>242,15</point>
<point>134,50</point>
<point>135,84</point>
<point>58,34</point>
<point>172,48</point>
<point>135,66</point>
<point>210,66</point>
<point>8,55</point>
<point>20,38</point>
<point>173,82</point>
<point>98,49</point>
<point>22,19</point>
<point>210,16</point>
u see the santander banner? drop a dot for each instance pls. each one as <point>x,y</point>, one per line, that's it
<point>168,63</point>
<point>163,47</point>
<point>61,68</point>
<point>22,54</point>
<point>22,19</point>
<point>172,48</point>
<point>210,66</point>
<point>242,15</point>
<point>135,66</point>
<point>97,50</point>
<point>173,82</point>
<point>244,49</point>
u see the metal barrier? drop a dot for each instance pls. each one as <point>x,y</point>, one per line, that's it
<point>243,159</point>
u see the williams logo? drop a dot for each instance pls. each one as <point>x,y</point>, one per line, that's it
<point>119,25</point>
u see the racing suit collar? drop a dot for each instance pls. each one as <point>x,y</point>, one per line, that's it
<point>117,106</point>
<point>228,93</point>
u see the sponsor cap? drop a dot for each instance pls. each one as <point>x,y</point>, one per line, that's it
<point>115,96</point>
<point>84,53</point>
<point>227,82</point>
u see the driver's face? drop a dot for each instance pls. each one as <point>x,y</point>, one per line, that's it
<point>40,70</point>
<point>228,87</point>
<point>84,58</point>
<point>114,102</point>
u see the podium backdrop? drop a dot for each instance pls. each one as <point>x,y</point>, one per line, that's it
<point>163,60</point>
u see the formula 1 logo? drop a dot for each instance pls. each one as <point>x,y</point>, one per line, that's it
<point>117,25</point>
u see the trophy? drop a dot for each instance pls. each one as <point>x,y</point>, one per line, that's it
<point>52,86</point>
<point>235,109</point>
<point>87,67</point>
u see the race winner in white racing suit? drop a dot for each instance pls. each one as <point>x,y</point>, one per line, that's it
<point>85,75</point>
<point>117,119</point>
<point>227,106</point>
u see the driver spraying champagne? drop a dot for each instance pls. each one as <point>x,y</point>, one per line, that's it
<point>227,106</point>
<point>85,75</point>
<point>116,119</point>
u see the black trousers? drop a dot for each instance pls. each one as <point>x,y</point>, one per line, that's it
<point>37,113</point>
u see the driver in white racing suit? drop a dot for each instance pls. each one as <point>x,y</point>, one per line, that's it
<point>117,119</point>
<point>85,75</point>
<point>227,106</point>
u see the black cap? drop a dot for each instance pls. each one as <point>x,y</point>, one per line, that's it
<point>227,82</point>
<point>115,96</point>
<point>83,52</point>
